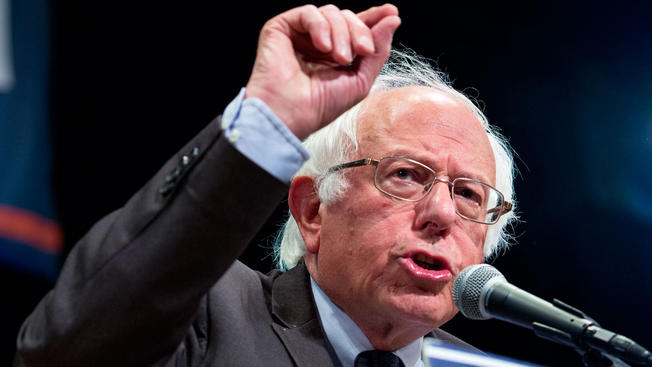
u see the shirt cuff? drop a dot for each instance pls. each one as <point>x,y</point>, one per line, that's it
<point>260,135</point>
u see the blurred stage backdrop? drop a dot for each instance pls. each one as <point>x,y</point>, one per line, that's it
<point>569,83</point>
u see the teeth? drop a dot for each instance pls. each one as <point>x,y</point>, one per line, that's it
<point>426,262</point>
<point>423,258</point>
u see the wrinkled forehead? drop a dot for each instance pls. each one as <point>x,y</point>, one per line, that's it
<point>427,119</point>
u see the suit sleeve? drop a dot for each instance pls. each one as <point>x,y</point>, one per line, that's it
<point>131,288</point>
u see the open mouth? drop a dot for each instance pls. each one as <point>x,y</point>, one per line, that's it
<point>428,268</point>
<point>427,262</point>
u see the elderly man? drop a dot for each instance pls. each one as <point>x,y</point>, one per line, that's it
<point>398,196</point>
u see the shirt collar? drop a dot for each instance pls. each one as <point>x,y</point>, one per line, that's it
<point>346,337</point>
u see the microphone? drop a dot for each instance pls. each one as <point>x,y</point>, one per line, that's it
<point>481,292</point>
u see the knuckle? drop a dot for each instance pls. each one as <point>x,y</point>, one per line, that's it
<point>313,16</point>
<point>330,8</point>
<point>309,7</point>
<point>267,32</point>
<point>268,25</point>
<point>348,13</point>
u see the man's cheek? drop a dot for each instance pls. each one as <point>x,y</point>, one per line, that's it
<point>473,237</point>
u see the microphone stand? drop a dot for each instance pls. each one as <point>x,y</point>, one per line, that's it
<point>591,357</point>
<point>595,358</point>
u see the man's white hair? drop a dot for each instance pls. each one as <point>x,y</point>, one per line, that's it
<point>337,143</point>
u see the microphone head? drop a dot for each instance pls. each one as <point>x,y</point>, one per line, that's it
<point>470,287</point>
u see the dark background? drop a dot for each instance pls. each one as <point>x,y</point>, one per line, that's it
<point>569,83</point>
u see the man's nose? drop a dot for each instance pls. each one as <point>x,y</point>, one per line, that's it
<point>436,212</point>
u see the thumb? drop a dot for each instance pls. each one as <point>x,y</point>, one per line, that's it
<point>382,33</point>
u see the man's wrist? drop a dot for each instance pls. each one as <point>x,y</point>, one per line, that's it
<point>255,130</point>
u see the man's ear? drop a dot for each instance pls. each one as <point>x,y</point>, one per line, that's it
<point>304,205</point>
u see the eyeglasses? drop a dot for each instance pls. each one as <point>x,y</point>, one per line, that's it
<point>406,179</point>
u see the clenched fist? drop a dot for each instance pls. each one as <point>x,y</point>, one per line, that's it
<point>313,64</point>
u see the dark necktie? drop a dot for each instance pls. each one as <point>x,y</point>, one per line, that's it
<point>378,358</point>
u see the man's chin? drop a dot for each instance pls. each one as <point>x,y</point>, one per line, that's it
<point>431,310</point>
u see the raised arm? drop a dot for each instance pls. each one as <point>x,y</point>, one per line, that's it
<point>131,288</point>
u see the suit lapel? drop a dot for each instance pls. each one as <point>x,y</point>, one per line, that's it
<point>295,318</point>
<point>298,327</point>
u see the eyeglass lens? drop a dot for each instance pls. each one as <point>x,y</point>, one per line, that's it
<point>411,180</point>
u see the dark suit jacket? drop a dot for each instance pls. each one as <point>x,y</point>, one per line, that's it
<point>157,282</point>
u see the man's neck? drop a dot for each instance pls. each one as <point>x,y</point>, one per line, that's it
<point>348,339</point>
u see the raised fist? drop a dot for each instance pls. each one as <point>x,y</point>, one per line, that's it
<point>313,64</point>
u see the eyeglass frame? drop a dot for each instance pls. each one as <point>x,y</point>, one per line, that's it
<point>504,208</point>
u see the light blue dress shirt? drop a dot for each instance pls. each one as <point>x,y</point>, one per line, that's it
<point>261,136</point>
<point>346,337</point>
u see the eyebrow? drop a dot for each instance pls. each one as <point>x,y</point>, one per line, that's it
<point>403,152</point>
